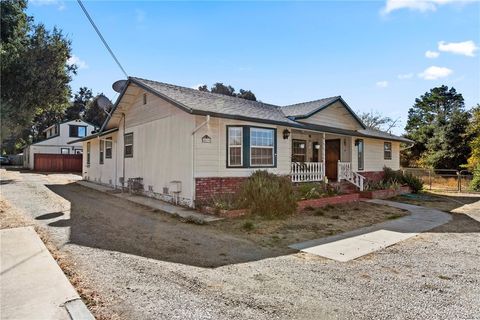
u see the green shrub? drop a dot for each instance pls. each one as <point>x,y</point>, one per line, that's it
<point>248,226</point>
<point>475,183</point>
<point>314,190</point>
<point>394,179</point>
<point>268,195</point>
<point>413,182</point>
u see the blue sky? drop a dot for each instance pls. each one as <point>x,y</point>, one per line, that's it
<point>373,54</point>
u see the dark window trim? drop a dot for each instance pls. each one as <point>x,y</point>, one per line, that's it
<point>124,145</point>
<point>88,153</point>
<point>111,148</point>
<point>77,136</point>
<point>363,155</point>
<point>61,149</point>
<point>242,147</point>
<point>303,141</point>
<point>101,154</point>
<point>385,157</point>
<point>246,147</point>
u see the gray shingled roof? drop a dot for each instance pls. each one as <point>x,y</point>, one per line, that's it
<point>212,103</point>
<point>306,108</point>
<point>200,102</point>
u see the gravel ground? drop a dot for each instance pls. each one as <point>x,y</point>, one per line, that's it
<point>210,275</point>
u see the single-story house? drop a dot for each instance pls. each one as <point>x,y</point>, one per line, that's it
<point>186,145</point>
<point>57,138</point>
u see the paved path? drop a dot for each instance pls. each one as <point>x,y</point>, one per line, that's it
<point>154,203</point>
<point>32,284</point>
<point>351,245</point>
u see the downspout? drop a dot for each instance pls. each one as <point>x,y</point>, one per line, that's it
<point>207,120</point>
<point>123,155</point>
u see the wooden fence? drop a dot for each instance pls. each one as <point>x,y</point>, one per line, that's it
<point>48,162</point>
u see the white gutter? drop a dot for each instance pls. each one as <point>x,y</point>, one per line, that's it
<point>193,155</point>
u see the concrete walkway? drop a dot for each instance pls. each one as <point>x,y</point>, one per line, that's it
<point>357,243</point>
<point>32,284</point>
<point>182,212</point>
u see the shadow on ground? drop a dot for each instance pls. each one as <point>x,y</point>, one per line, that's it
<point>104,221</point>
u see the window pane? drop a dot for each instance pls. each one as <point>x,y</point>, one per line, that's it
<point>262,156</point>
<point>235,156</point>
<point>299,150</point>
<point>261,137</point>
<point>235,136</point>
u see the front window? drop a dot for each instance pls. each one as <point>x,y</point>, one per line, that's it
<point>128,143</point>
<point>261,147</point>
<point>299,150</point>
<point>77,131</point>
<point>360,153</point>
<point>387,150</point>
<point>108,148</point>
<point>65,151</point>
<point>235,148</point>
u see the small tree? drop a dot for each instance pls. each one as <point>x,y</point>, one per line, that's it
<point>375,120</point>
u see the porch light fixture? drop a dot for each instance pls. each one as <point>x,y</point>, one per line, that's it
<point>302,145</point>
<point>317,146</point>
<point>286,134</point>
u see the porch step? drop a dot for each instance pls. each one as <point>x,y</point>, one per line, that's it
<point>344,187</point>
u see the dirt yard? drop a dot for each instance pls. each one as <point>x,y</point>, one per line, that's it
<point>140,264</point>
<point>308,225</point>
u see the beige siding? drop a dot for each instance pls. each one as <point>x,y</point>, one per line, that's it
<point>374,160</point>
<point>106,173</point>
<point>211,158</point>
<point>336,116</point>
<point>162,148</point>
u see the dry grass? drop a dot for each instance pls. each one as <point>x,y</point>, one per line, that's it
<point>10,217</point>
<point>310,224</point>
<point>442,201</point>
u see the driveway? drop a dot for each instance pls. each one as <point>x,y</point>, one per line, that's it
<point>146,265</point>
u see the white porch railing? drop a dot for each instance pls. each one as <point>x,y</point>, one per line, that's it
<point>345,172</point>
<point>307,171</point>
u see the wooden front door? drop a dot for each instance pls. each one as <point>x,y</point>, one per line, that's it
<point>332,156</point>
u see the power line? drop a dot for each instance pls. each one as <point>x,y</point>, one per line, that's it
<point>101,37</point>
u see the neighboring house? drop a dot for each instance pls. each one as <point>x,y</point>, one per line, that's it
<point>187,145</point>
<point>56,141</point>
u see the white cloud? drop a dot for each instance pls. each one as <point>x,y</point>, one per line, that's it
<point>382,84</point>
<point>466,48</point>
<point>432,54</point>
<point>81,64</point>
<point>417,5</point>
<point>198,86</point>
<point>405,76</point>
<point>60,4</point>
<point>434,73</point>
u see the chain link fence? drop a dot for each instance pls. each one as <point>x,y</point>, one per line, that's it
<point>443,179</point>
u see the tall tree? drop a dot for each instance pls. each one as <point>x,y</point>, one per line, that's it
<point>35,75</point>
<point>375,120</point>
<point>94,114</point>
<point>437,123</point>
<point>79,104</point>
<point>223,89</point>
<point>473,131</point>
<point>228,90</point>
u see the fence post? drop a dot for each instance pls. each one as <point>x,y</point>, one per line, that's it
<point>430,178</point>
<point>459,183</point>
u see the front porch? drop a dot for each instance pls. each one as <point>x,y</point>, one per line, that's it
<point>322,157</point>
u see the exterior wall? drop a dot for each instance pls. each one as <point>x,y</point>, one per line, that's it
<point>336,116</point>
<point>205,188</point>
<point>162,150</point>
<point>373,156</point>
<point>211,158</point>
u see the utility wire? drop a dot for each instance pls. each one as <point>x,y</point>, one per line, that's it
<point>101,37</point>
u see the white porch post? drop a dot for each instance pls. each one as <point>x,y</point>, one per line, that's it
<point>323,157</point>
